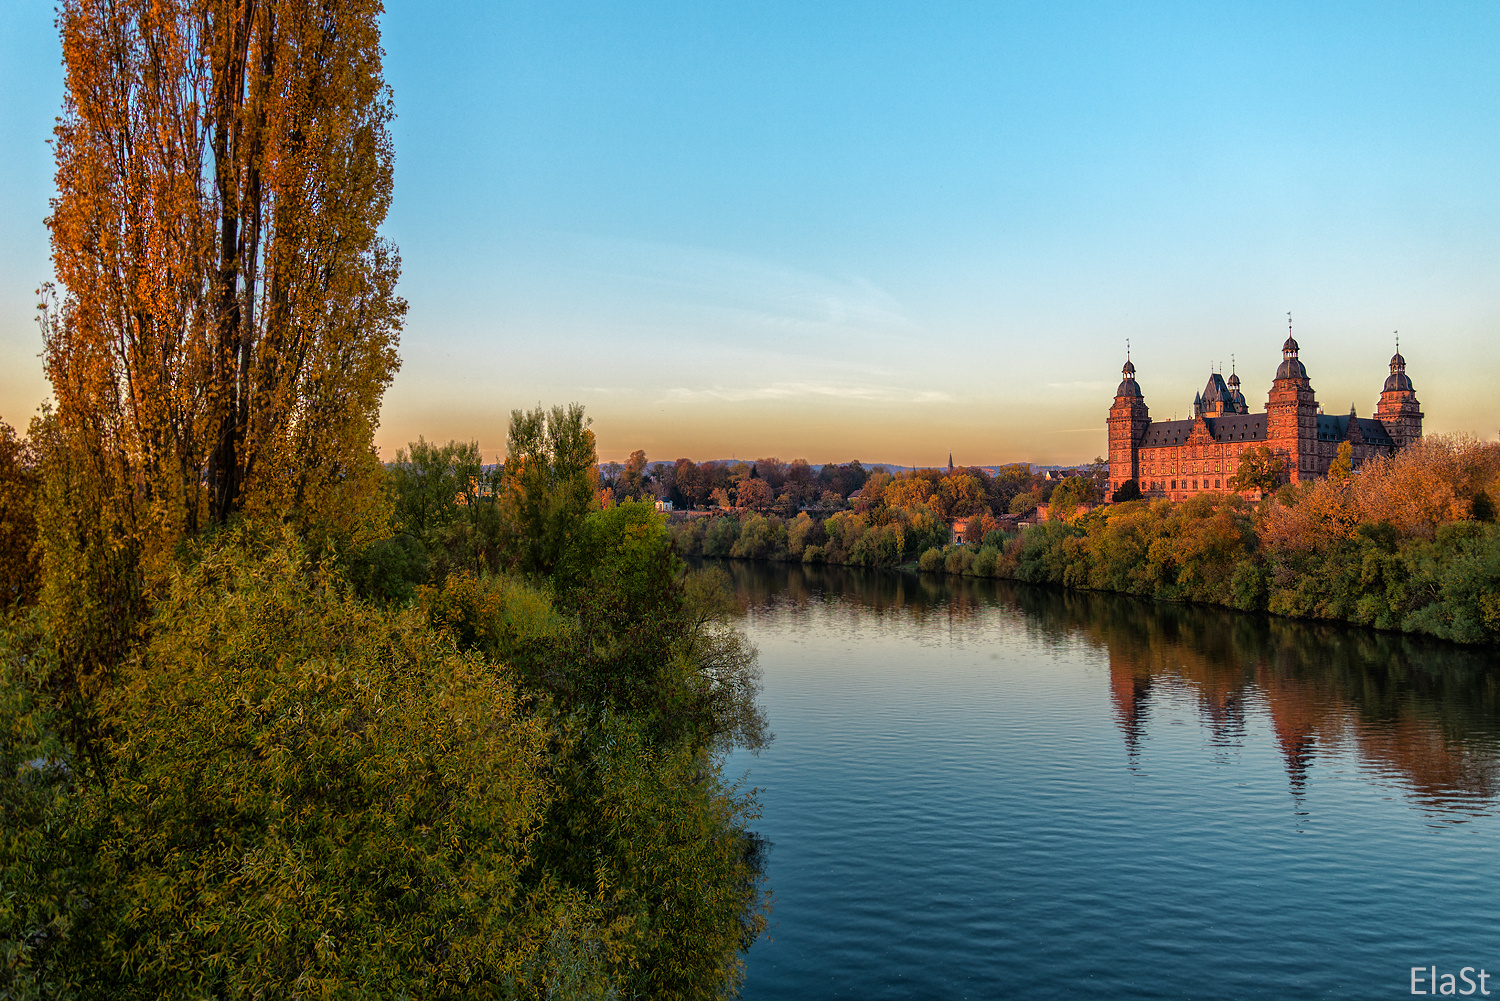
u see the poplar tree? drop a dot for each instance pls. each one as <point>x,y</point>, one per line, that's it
<point>225,321</point>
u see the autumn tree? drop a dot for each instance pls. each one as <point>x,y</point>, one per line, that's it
<point>225,322</point>
<point>632,479</point>
<point>754,494</point>
<point>1343,463</point>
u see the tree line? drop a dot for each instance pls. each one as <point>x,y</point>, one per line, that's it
<point>889,520</point>
<point>770,486</point>
<point>1408,542</point>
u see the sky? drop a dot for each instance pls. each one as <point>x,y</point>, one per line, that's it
<point>895,231</point>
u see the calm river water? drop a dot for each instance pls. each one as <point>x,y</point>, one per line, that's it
<point>980,790</point>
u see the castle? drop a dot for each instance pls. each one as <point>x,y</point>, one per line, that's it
<point>1179,459</point>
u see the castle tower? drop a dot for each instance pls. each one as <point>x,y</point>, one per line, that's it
<point>1128,421</point>
<point>1292,416</point>
<point>1398,408</point>
<point>1236,398</point>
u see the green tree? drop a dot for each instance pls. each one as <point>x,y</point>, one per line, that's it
<point>632,482</point>
<point>1070,493</point>
<point>445,500</point>
<point>19,475</point>
<point>1259,469</point>
<point>1024,503</point>
<point>549,482</point>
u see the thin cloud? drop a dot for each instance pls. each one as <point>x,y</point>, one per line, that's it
<point>803,390</point>
<point>718,290</point>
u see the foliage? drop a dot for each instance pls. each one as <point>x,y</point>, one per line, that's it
<point>445,519</point>
<point>228,318</point>
<point>19,478</point>
<point>549,482</point>
<point>1072,493</point>
<point>297,794</point>
<point>1406,542</point>
<point>396,805</point>
<point>1259,469</point>
<point>1343,463</point>
<point>1025,503</point>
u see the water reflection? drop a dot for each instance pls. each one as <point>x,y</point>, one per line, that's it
<point>1423,714</point>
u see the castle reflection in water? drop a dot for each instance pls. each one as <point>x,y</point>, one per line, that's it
<point>1421,713</point>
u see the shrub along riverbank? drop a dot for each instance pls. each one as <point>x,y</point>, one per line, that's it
<point>1407,543</point>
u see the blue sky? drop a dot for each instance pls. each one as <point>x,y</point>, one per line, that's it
<point>895,230</point>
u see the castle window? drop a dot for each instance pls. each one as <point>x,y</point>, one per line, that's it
<point>1174,484</point>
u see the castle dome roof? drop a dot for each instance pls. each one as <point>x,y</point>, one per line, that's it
<point>1291,368</point>
<point>1397,381</point>
<point>1127,385</point>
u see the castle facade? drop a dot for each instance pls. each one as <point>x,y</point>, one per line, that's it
<point>1179,459</point>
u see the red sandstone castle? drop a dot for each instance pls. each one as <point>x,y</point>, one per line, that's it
<point>1178,459</point>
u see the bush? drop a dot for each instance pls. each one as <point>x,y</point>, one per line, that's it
<point>298,791</point>
<point>299,794</point>
<point>721,536</point>
<point>932,560</point>
<point>760,538</point>
<point>984,561</point>
<point>688,536</point>
<point>958,560</point>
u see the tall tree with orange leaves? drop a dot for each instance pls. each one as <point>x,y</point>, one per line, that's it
<point>226,321</point>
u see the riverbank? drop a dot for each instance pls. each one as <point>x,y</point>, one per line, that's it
<point>1409,543</point>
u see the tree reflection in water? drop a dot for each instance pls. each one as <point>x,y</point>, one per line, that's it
<point>1420,711</point>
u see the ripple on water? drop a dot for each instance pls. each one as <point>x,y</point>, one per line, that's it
<point>1002,792</point>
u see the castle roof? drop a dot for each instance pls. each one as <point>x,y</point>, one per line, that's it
<point>1230,427</point>
<point>1127,384</point>
<point>1397,380</point>
<point>1291,368</point>
<point>1337,429</point>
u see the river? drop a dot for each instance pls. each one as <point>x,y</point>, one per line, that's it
<point>986,790</point>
